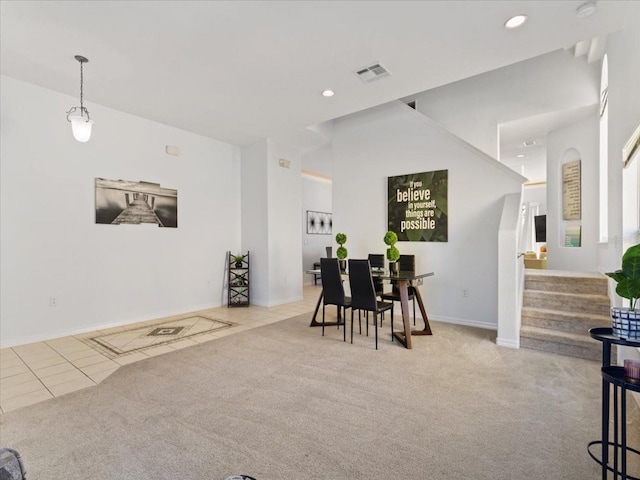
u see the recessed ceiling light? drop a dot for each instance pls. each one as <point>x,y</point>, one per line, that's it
<point>515,21</point>
<point>328,93</point>
<point>521,155</point>
<point>529,143</point>
<point>586,9</point>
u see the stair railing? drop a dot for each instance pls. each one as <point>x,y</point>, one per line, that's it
<point>510,271</point>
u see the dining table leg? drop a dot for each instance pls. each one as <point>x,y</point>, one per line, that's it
<point>315,323</point>
<point>427,328</point>
<point>404,336</point>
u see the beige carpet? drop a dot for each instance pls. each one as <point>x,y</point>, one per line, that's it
<point>282,402</point>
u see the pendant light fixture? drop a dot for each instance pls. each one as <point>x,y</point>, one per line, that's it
<point>80,122</point>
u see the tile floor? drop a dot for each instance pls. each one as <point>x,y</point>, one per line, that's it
<point>38,371</point>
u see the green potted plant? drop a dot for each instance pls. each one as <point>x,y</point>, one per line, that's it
<point>626,321</point>
<point>341,252</point>
<point>393,254</point>
<point>238,259</point>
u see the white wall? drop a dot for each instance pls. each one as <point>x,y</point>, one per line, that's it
<point>472,108</point>
<point>285,241</point>
<point>575,142</point>
<point>393,139</point>
<point>536,194</point>
<point>255,219</point>
<point>316,196</point>
<point>631,203</point>
<point>319,160</point>
<point>271,207</point>
<point>102,275</point>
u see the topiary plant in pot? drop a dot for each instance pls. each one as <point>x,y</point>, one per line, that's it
<point>393,254</point>
<point>626,321</point>
<point>341,252</point>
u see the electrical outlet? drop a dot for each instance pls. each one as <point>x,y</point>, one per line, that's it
<point>53,302</point>
<point>465,292</point>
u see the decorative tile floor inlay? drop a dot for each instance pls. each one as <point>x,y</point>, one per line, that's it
<point>169,331</point>
<point>165,331</point>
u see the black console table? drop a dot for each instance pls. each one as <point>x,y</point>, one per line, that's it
<point>613,375</point>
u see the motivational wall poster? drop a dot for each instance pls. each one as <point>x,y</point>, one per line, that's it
<point>571,191</point>
<point>417,207</point>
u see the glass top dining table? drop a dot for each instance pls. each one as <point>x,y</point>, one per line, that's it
<point>403,280</point>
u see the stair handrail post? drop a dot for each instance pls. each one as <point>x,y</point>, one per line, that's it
<point>510,272</point>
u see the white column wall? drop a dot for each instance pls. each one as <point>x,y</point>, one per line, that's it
<point>255,218</point>
<point>104,275</point>
<point>624,116</point>
<point>285,242</point>
<point>271,208</point>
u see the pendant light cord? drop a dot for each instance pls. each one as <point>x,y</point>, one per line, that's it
<point>83,110</point>
<point>81,91</point>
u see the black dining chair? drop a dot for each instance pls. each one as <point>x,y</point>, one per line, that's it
<point>376,260</point>
<point>333,290</point>
<point>363,296</point>
<point>406,263</point>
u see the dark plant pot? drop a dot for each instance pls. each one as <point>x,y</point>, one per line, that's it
<point>625,323</point>
<point>394,267</point>
<point>238,264</point>
<point>343,265</point>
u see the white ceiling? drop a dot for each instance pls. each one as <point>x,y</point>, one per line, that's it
<point>243,70</point>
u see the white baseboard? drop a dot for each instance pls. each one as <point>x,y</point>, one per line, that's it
<point>463,321</point>
<point>503,342</point>
<point>275,303</point>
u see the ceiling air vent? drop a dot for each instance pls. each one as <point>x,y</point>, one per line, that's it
<point>372,72</point>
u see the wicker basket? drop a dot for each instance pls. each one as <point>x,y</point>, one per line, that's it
<point>625,323</point>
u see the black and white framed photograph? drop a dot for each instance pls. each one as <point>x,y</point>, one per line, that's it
<point>319,223</point>
<point>129,202</point>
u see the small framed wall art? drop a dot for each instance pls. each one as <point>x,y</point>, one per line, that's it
<point>319,223</point>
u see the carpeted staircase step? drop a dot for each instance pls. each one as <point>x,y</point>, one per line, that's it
<point>567,302</point>
<point>559,308</point>
<point>566,282</point>
<point>570,322</point>
<point>563,343</point>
